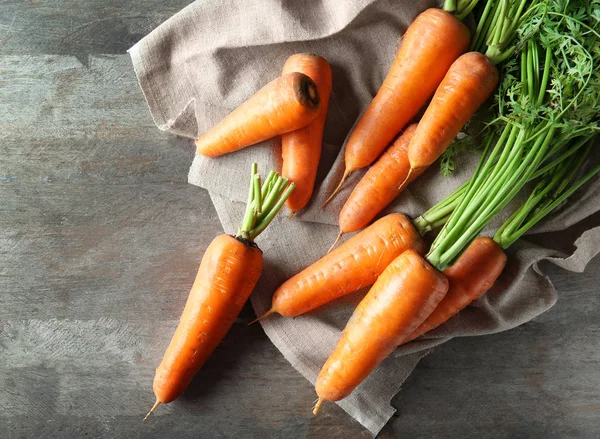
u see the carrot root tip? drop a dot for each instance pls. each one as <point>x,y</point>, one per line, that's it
<point>410,172</point>
<point>337,189</point>
<point>156,404</point>
<point>336,241</point>
<point>267,314</point>
<point>317,406</point>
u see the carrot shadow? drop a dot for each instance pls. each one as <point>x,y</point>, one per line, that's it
<point>225,362</point>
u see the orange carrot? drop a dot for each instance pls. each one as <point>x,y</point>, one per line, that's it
<point>301,149</point>
<point>470,277</point>
<point>285,104</point>
<point>469,82</point>
<point>379,186</point>
<point>228,272</point>
<point>433,41</point>
<point>404,295</point>
<point>355,264</point>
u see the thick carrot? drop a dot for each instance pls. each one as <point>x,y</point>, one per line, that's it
<point>355,264</point>
<point>285,104</point>
<point>469,82</point>
<point>228,272</point>
<point>301,149</point>
<point>470,277</point>
<point>433,41</point>
<point>379,186</point>
<point>403,296</point>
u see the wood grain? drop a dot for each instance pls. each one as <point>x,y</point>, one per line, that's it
<point>100,239</point>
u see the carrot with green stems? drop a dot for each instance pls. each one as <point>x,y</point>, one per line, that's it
<point>433,41</point>
<point>469,278</point>
<point>355,264</point>
<point>535,132</point>
<point>227,275</point>
<point>285,104</point>
<point>379,186</point>
<point>301,149</point>
<point>404,295</point>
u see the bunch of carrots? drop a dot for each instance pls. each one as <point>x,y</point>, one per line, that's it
<point>540,56</point>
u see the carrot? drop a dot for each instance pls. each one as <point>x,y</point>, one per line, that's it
<point>301,149</point>
<point>470,277</point>
<point>355,264</point>
<point>379,186</point>
<point>227,275</point>
<point>433,41</point>
<point>285,104</point>
<point>403,296</point>
<point>469,82</point>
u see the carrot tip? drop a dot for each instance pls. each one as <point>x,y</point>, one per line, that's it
<point>336,241</point>
<point>410,172</point>
<point>292,214</point>
<point>156,404</point>
<point>267,314</point>
<point>337,189</point>
<point>318,406</point>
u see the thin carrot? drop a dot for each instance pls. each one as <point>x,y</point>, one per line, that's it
<point>469,82</point>
<point>355,264</point>
<point>433,41</point>
<point>285,104</point>
<point>470,277</point>
<point>227,275</point>
<point>404,295</point>
<point>301,149</point>
<point>379,186</point>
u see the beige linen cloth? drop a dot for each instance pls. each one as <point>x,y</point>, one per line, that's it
<point>203,62</point>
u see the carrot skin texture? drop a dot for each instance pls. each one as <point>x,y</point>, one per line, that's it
<point>469,82</point>
<point>405,293</point>
<point>355,264</point>
<point>429,46</point>
<point>301,149</point>
<point>470,277</point>
<point>285,104</point>
<point>227,275</point>
<point>379,186</point>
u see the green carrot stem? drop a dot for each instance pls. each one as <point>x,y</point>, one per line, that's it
<point>481,25</point>
<point>507,240</point>
<point>266,184</point>
<point>562,157</point>
<point>260,210</point>
<point>266,220</point>
<point>546,75</point>
<point>249,216</point>
<point>449,5</point>
<point>257,202</point>
<point>465,8</point>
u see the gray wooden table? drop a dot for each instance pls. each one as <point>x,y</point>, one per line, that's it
<point>100,238</point>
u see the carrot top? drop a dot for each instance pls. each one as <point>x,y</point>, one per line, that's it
<point>264,201</point>
<point>547,112</point>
